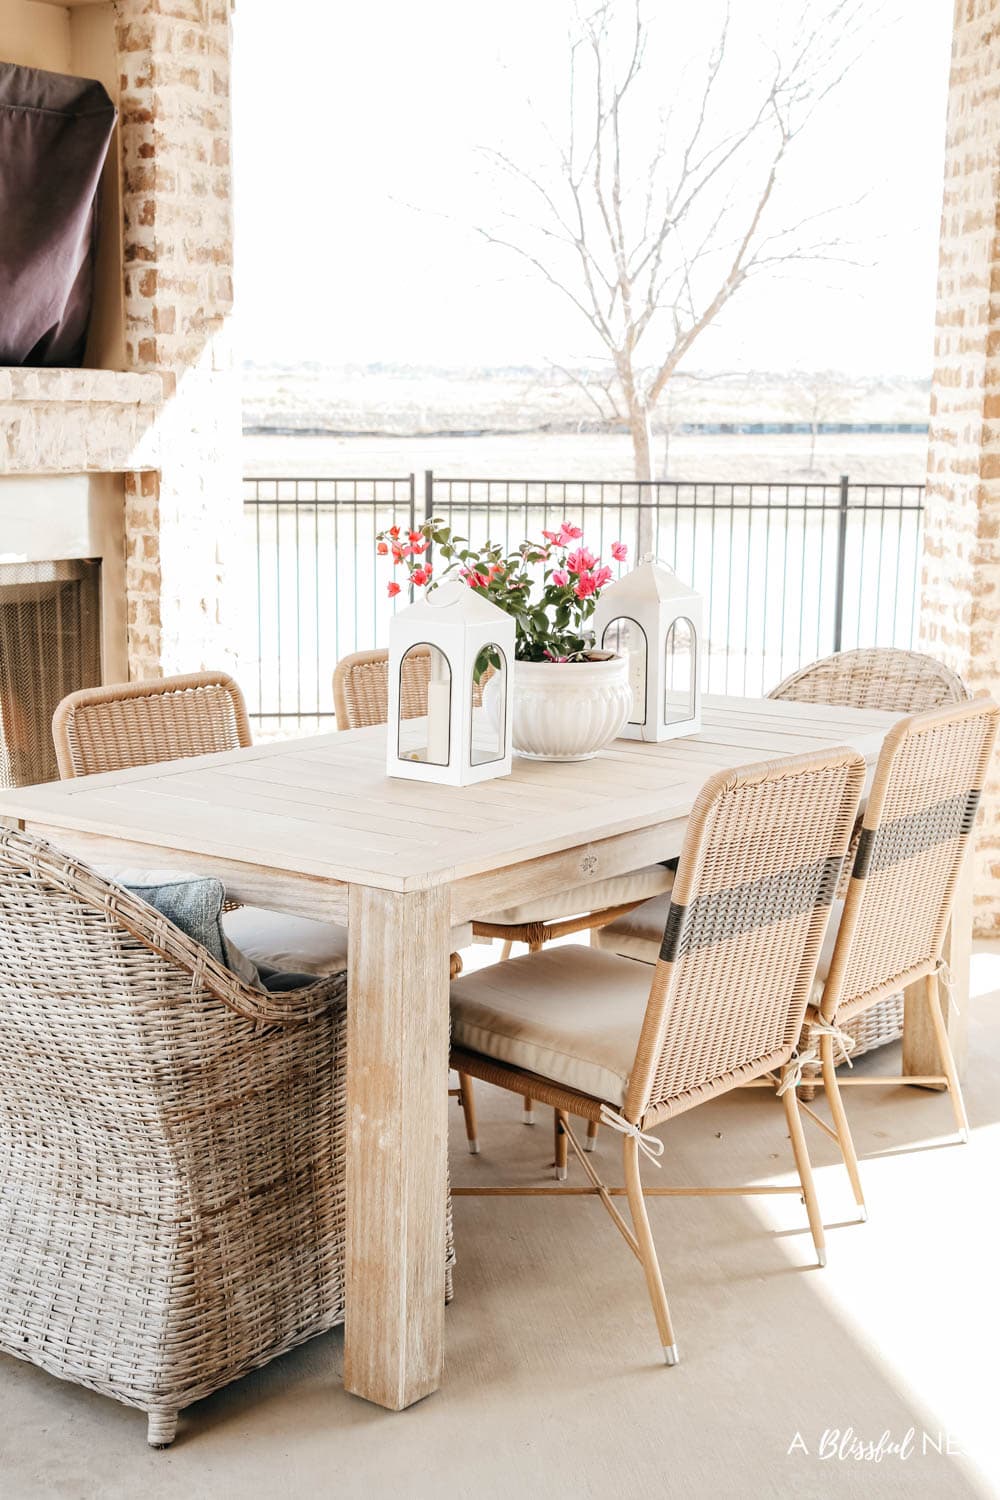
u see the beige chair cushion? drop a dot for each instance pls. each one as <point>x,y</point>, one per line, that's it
<point>596,895</point>
<point>297,945</point>
<point>571,1014</point>
<point>300,945</point>
<point>639,934</point>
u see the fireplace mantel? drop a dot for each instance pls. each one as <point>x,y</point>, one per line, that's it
<point>55,421</point>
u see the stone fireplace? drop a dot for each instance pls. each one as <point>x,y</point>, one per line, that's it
<point>127,471</point>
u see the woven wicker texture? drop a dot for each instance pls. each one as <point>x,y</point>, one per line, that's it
<point>142,723</point>
<point>172,1147</point>
<point>361,687</point>
<point>902,682</point>
<point>915,831</point>
<point>761,857</point>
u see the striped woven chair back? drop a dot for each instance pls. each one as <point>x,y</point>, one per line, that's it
<point>915,831</point>
<point>141,723</point>
<point>901,682</point>
<point>761,858</point>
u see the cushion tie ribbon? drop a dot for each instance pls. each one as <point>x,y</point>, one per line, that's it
<point>650,1145</point>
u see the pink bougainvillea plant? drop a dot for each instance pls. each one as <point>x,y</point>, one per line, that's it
<point>550,586</point>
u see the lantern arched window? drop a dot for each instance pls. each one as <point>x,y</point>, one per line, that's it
<point>626,637</point>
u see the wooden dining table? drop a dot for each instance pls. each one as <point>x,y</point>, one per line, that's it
<point>315,827</point>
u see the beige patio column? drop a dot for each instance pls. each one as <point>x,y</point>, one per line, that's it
<point>960,597</point>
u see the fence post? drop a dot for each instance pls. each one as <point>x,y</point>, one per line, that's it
<point>838,608</point>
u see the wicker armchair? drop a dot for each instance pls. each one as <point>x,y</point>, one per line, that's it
<point>361,697</point>
<point>172,1147</point>
<point>901,682</point>
<point>586,1031</point>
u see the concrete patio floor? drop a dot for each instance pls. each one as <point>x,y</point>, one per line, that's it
<point>553,1386</point>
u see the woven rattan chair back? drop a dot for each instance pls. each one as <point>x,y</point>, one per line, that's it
<point>915,832</point>
<point>172,1146</point>
<point>761,858</point>
<point>142,723</point>
<point>361,687</point>
<point>902,682</point>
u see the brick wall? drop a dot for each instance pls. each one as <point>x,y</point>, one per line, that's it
<point>182,526</point>
<point>960,605</point>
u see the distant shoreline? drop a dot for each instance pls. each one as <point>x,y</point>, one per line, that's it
<point>712,429</point>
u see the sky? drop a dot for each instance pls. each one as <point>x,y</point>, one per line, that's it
<point>359,128</point>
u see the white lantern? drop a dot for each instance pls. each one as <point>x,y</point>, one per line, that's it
<point>655,620</point>
<point>451,639</point>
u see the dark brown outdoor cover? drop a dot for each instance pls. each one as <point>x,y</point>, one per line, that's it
<point>54,135</point>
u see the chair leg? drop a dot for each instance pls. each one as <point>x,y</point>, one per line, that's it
<point>947,1057</point>
<point>843,1129</point>
<point>467,1099</point>
<point>505,951</point>
<point>161,1427</point>
<point>647,1251</point>
<point>591,1141</point>
<point>561,1143</point>
<point>528,1118</point>
<point>801,1153</point>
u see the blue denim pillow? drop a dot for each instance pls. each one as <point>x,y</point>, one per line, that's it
<point>194,904</point>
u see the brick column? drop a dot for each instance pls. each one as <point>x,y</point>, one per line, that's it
<point>184,527</point>
<point>960,597</point>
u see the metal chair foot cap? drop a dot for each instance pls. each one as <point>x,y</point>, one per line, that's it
<point>821,1257</point>
<point>561,1174</point>
<point>671,1355</point>
<point>528,1118</point>
<point>862,1214</point>
<point>473,1148</point>
<point>589,1144</point>
<point>963,1136</point>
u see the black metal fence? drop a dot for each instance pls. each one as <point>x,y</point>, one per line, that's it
<point>789,571</point>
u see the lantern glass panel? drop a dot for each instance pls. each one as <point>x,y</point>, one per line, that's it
<point>627,638</point>
<point>428,738</point>
<point>680,671</point>
<point>488,727</point>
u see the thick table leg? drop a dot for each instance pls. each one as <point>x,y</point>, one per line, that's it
<point>397,1080</point>
<point>920,1048</point>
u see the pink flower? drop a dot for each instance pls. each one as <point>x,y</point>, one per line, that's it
<point>560,578</point>
<point>417,548</point>
<point>394,531</point>
<point>551,536</point>
<point>619,551</point>
<point>585,585</point>
<point>393,590</point>
<point>414,536</point>
<point>550,656</point>
<point>568,533</point>
<point>419,576</point>
<point>382,549</point>
<point>580,560</point>
<point>602,576</point>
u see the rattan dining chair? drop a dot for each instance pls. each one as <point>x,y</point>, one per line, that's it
<point>361,698</point>
<point>201,713</point>
<point>172,1147</point>
<point>587,1032</point>
<point>915,833</point>
<point>903,682</point>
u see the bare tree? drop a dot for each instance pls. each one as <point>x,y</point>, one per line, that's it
<point>816,395</point>
<point>651,221</point>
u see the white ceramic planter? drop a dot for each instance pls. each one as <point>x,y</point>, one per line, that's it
<point>569,710</point>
